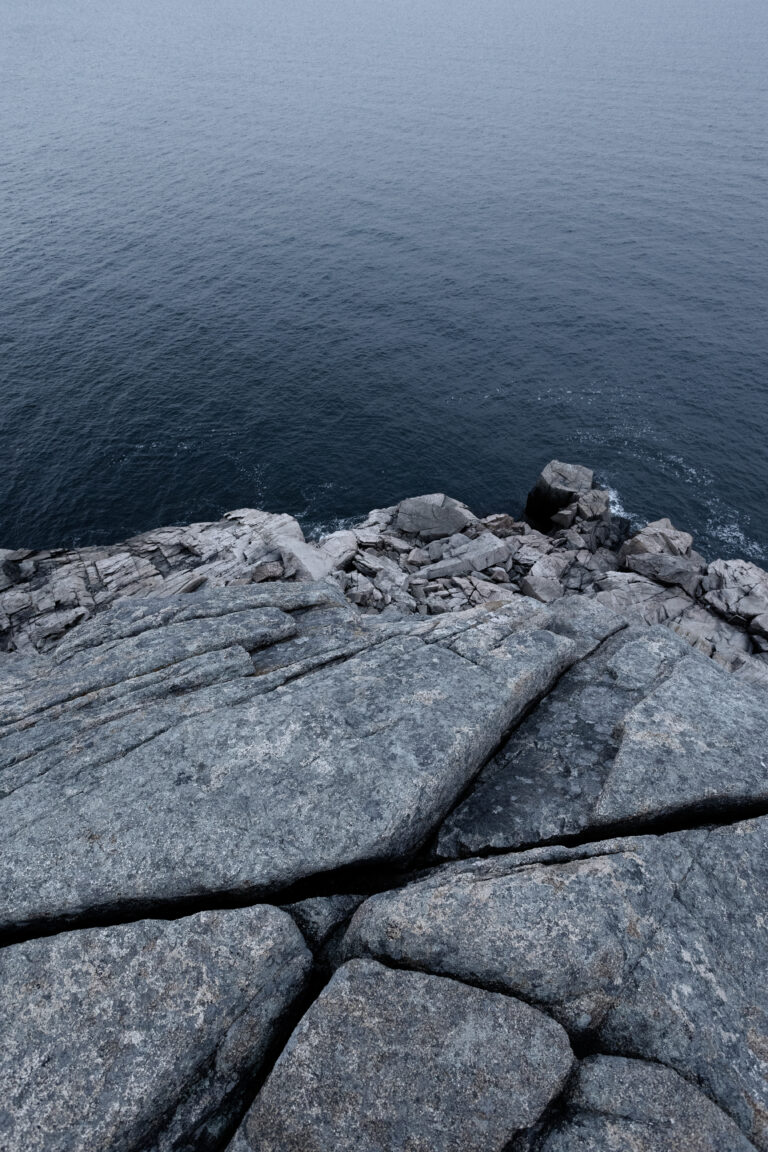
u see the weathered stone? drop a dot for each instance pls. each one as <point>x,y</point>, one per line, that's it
<point>319,916</point>
<point>736,588</point>
<point>543,581</point>
<point>639,732</point>
<point>684,571</point>
<point>433,516</point>
<point>654,946</point>
<point>503,525</point>
<point>594,505</point>
<point>616,1105</point>
<point>385,1061</point>
<point>143,1036</point>
<point>344,766</point>
<point>485,551</point>
<point>660,536</point>
<point>558,486</point>
<point>340,546</point>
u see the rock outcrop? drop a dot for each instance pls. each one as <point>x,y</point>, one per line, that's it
<point>425,556</point>
<point>437,833</point>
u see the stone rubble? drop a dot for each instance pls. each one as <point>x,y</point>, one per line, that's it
<point>438,834</point>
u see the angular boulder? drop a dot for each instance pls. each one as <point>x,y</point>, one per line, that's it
<point>558,486</point>
<point>144,1035</point>
<point>386,1060</point>
<point>433,516</point>
<point>660,537</point>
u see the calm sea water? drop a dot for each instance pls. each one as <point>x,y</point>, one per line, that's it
<point>316,255</point>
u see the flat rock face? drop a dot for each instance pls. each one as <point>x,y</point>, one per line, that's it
<point>617,1105</point>
<point>141,1036</point>
<point>651,946</point>
<point>172,784</point>
<point>638,732</point>
<point>385,1061</point>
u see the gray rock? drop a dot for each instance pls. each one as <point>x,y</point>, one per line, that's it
<point>51,592</point>
<point>640,732</point>
<point>319,916</point>
<point>236,789</point>
<point>433,516</point>
<point>594,505</point>
<point>142,1037</point>
<point>543,581</point>
<point>660,536</point>
<point>484,551</point>
<point>653,946</point>
<point>385,1061</point>
<point>685,572</point>
<point>558,486</point>
<point>546,782</point>
<point>614,1105</point>
<point>736,588</point>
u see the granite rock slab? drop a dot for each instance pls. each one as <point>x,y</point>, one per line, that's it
<point>651,946</point>
<point>640,731</point>
<point>142,1037</point>
<point>619,1105</point>
<point>220,790</point>
<point>386,1061</point>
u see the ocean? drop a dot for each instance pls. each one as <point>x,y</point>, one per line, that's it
<point>317,256</point>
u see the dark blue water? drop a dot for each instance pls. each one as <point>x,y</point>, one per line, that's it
<point>315,255</point>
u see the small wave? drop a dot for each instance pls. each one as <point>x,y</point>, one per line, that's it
<point>728,531</point>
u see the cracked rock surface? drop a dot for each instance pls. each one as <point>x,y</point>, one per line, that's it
<point>439,834</point>
<point>651,946</point>
<point>142,1035</point>
<point>392,1060</point>
<point>620,1105</point>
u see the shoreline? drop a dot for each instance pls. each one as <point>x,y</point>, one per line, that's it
<point>427,555</point>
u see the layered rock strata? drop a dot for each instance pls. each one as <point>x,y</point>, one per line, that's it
<point>433,835</point>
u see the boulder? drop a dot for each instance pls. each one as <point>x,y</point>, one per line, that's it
<point>658,537</point>
<point>340,547</point>
<point>385,1061</point>
<point>736,588</point>
<point>614,1104</point>
<point>557,486</point>
<point>684,572</point>
<point>650,947</point>
<point>465,556</point>
<point>431,517</point>
<point>543,581</point>
<point>144,1035</point>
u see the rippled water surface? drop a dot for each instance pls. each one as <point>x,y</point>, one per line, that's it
<point>315,255</point>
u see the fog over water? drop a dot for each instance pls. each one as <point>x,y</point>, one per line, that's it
<point>316,256</point>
